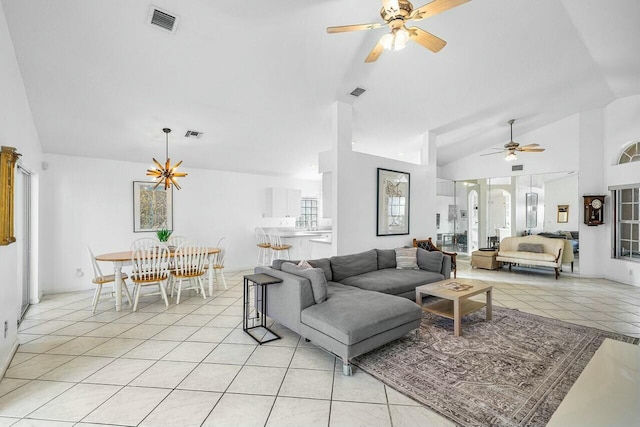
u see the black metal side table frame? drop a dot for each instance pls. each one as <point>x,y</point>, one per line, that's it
<point>255,280</point>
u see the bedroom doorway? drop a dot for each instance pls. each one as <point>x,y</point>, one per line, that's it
<point>23,232</point>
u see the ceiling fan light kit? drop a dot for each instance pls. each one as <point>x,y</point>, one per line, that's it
<point>395,14</point>
<point>166,174</point>
<point>395,40</point>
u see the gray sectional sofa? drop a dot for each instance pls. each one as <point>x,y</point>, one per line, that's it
<point>367,302</point>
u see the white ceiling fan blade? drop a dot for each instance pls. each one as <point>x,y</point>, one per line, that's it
<point>497,152</point>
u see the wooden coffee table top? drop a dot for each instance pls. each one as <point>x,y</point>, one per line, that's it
<point>439,289</point>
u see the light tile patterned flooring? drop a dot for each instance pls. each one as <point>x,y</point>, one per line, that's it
<point>191,364</point>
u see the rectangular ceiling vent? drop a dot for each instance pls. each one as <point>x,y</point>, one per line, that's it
<point>516,168</point>
<point>357,92</point>
<point>163,19</point>
<point>193,134</point>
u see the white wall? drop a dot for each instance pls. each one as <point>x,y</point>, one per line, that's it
<point>357,209</point>
<point>595,242</point>
<point>560,140</point>
<point>621,126</point>
<point>562,191</point>
<point>90,202</point>
<point>17,129</point>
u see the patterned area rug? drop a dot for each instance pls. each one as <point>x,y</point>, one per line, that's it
<point>511,371</point>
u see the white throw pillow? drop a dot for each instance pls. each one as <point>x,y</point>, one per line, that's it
<point>304,264</point>
<point>406,258</point>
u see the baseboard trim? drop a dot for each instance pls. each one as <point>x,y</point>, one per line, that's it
<point>7,361</point>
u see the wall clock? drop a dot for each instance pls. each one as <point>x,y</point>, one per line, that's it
<point>594,210</point>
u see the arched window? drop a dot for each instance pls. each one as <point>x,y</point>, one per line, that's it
<point>630,154</point>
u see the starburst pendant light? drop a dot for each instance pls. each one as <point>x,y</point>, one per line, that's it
<point>166,174</point>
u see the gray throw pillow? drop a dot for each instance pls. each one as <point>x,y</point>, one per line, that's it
<point>537,248</point>
<point>430,261</point>
<point>325,265</point>
<point>344,266</point>
<point>386,258</point>
<point>277,263</point>
<point>315,276</point>
<point>406,258</point>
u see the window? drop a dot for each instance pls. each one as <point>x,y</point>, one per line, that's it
<point>308,213</point>
<point>397,209</point>
<point>627,229</point>
<point>630,154</point>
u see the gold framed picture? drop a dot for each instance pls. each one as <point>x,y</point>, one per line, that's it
<point>563,213</point>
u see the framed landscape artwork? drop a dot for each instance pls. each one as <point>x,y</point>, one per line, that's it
<point>152,208</point>
<point>393,202</point>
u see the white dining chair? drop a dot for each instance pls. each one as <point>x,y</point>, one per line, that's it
<point>218,260</point>
<point>144,242</point>
<point>190,260</point>
<point>264,247</point>
<point>150,267</point>
<point>175,241</point>
<point>100,279</point>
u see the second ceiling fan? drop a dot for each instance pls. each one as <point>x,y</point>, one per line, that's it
<point>512,147</point>
<point>395,14</point>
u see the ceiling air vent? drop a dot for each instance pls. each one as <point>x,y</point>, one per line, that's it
<point>193,134</point>
<point>163,19</point>
<point>515,168</point>
<point>357,92</point>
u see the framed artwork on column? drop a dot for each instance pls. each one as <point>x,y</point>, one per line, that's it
<point>393,202</point>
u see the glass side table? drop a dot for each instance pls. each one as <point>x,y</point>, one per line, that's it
<point>254,323</point>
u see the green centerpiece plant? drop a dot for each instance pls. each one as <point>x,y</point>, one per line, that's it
<point>163,234</point>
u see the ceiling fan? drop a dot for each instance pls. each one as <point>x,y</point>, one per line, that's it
<point>395,14</point>
<point>511,147</point>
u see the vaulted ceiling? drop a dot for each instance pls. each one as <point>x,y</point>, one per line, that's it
<point>259,77</point>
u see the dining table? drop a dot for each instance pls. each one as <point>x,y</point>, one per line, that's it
<point>120,259</point>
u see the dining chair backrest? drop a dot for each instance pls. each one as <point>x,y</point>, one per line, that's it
<point>261,238</point>
<point>176,241</point>
<point>145,242</point>
<point>94,263</point>
<point>190,259</point>
<point>150,263</point>
<point>223,245</point>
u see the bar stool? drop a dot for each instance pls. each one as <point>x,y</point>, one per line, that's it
<point>264,247</point>
<point>278,249</point>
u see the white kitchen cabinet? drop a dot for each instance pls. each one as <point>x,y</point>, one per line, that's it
<point>283,202</point>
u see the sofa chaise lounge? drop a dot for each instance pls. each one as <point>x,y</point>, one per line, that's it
<point>368,301</point>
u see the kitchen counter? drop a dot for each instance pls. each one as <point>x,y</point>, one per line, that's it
<point>322,240</point>
<point>303,241</point>
<point>292,232</point>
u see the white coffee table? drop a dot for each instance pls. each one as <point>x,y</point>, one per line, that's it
<point>607,392</point>
<point>455,303</point>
